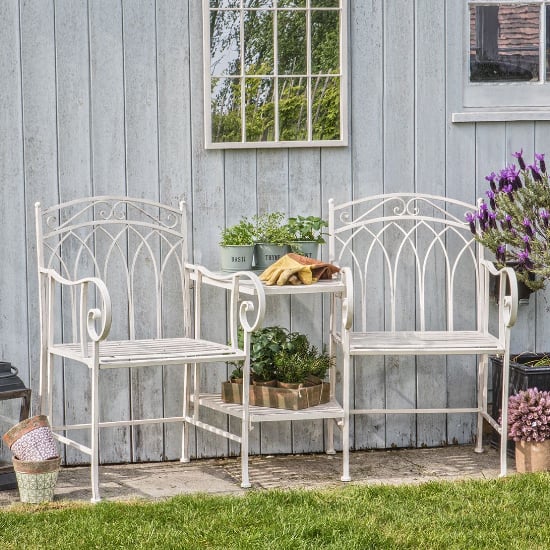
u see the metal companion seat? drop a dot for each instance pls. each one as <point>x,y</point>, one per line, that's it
<point>116,292</point>
<point>417,284</point>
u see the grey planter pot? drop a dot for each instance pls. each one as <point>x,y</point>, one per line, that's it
<point>237,257</point>
<point>309,249</point>
<point>267,253</point>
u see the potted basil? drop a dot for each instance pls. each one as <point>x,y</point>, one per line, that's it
<point>237,246</point>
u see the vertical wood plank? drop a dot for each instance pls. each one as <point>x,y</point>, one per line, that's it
<point>240,200</point>
<point>272,189</point>
<point>13,294</point>
<point>140,81</point>
<point>460,181</point>
<point>542,320</point>
<point>430,178</point>
<point>208,208</point>
<point>73,123</point>
<point>109,178</point>
<point>173,60</point>
<point>399,176</point>
<point>304,167</point>
<point>367,68</point>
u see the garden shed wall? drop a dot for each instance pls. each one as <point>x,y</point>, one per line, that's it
<point>106,97</point>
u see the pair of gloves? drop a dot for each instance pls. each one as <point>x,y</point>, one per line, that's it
<point>295,270</point>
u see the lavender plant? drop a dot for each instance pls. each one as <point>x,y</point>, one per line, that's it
<point>529,415</point>
<point>513,219</point>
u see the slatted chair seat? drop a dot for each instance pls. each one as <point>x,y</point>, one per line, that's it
<point>168,351</point>
<point>417,284</point>
<point>422,343</point>
<point>115,291</point>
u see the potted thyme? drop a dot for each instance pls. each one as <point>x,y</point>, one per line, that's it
<point>513,220</point>
<point>272,237</point>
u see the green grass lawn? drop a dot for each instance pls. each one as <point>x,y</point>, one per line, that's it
<point>511,513</point>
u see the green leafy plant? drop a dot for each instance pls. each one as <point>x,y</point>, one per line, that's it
<point>298,364</point>
<point>307,228</point>
<point>271,228</point>
<point>278,354</point>
<point>265,343</point>
<point>240,234</point>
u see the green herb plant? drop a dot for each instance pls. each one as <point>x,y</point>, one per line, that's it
<point>240,234</point>
<point>271,228</point>
<point>307,228</point>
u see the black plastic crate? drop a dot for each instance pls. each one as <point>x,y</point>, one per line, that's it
<point>523,375</point>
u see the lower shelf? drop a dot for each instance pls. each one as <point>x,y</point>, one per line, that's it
<point>332,409</point>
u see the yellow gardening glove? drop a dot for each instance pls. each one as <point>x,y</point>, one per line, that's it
<point>285,270</point>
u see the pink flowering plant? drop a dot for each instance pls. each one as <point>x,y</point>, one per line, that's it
<point>529,415</point>
<point>512,220</point>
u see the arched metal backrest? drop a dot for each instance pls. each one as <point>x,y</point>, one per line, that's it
<point>136,246</point>
<point>411,255</point>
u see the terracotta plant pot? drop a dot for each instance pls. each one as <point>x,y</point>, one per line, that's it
<point>532,456</point>
<point>32,439</point>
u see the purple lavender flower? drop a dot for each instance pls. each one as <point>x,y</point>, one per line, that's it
<point>509,190</point>
<point>519,156</point>
<point>491,195</point>
<point>470,218</point>
<point>491,179</point>
<point>535,172</point>
<point>544,215</point>
<point>542,164</point>
<point>501,253</point>
<point>527,243</point>
<point>524,259</point>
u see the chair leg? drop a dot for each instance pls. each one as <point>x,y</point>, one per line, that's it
<point>94,467</point>
<point>330,437</point>
<point>345,425</point>
<point>185,427</point>
<point>245,481</point>
<point>504,414</point>
<point>481,401</point>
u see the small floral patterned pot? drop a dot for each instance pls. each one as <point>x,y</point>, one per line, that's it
<point>32,439</point>
<point>36,480</point>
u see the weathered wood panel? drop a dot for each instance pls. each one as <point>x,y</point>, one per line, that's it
<point>106,96</point>
<point>109,177</point>
<point>13,320</point>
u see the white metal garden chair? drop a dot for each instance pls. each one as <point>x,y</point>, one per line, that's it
<point>116,291</point>
<point>416,285</point>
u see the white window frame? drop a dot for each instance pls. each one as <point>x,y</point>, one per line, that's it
<point>310,142</point>
<point>505,100</point>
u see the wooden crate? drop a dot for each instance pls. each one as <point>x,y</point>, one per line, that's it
<point>278,398</point>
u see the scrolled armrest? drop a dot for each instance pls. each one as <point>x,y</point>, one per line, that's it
<point>508,291</point>
<point>95,315</point>
<point>347,300</point>
<point>235,282</point>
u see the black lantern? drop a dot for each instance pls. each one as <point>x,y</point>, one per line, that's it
<point>12,387</point>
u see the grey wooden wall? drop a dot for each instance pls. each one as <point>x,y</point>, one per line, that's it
<point>105,96</point>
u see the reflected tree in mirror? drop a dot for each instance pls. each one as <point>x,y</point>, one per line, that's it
<point>275,74</point>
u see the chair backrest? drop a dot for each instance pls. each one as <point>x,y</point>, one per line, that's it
<point>414,259</point>
<point>136,246</point>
